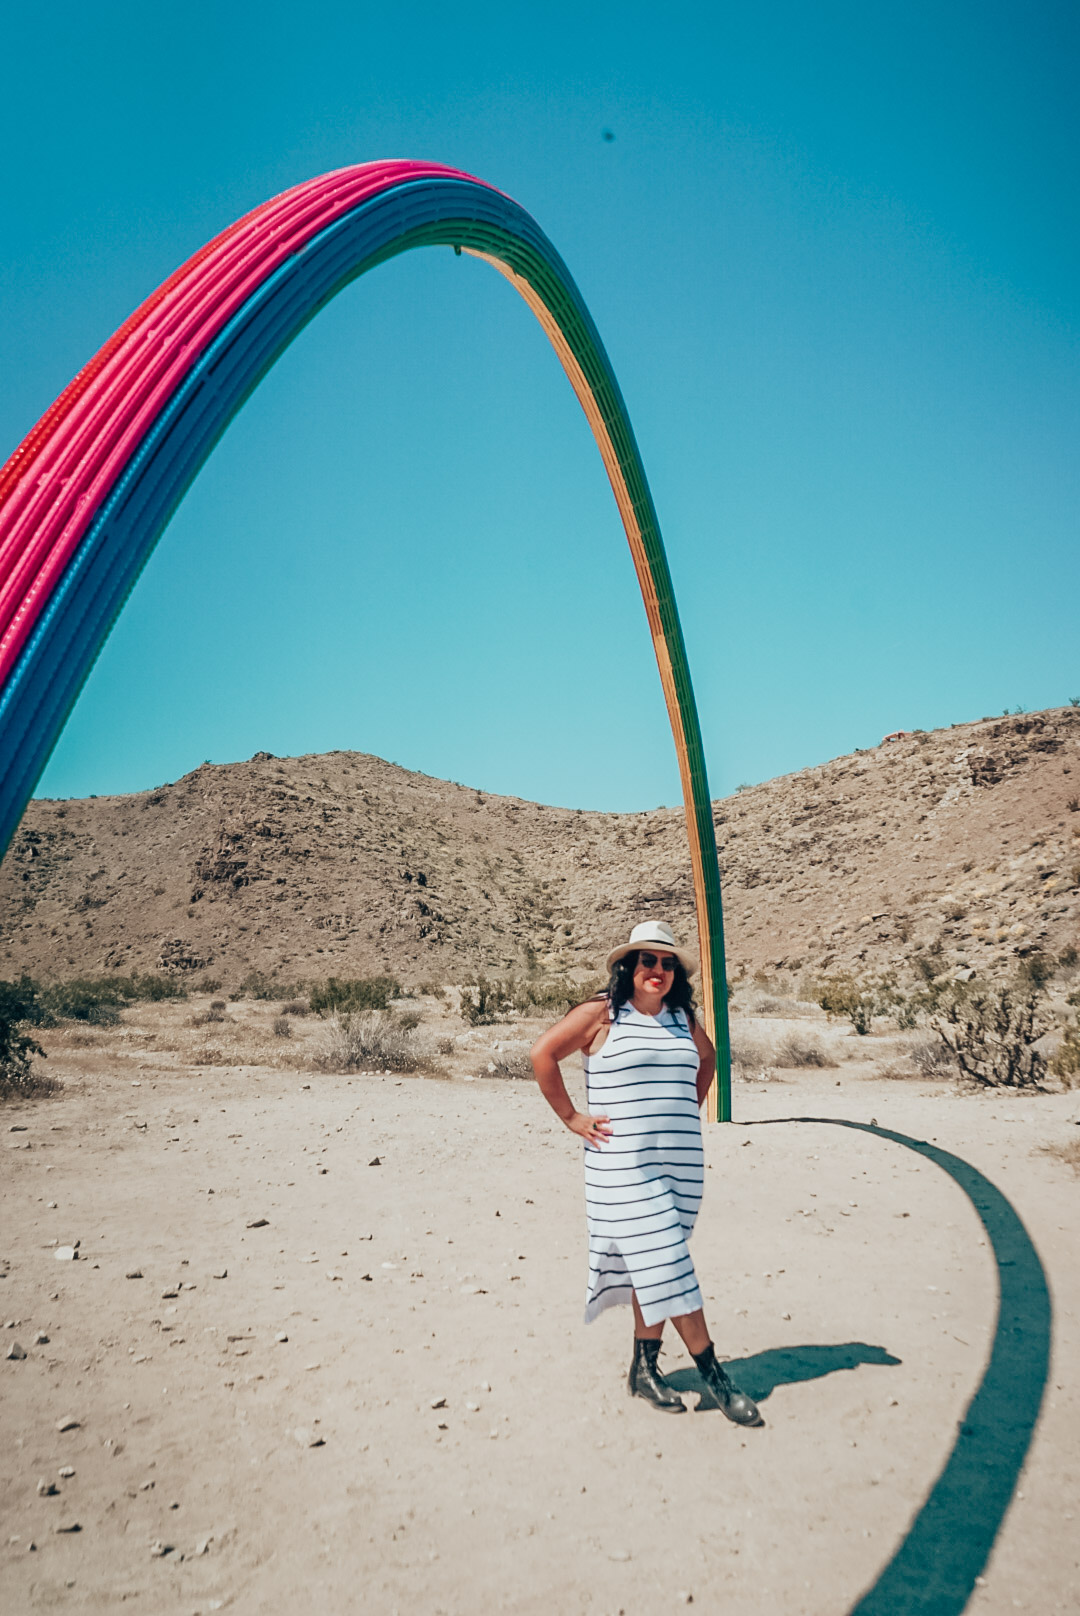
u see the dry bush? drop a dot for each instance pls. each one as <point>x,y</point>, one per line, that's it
<point>991,1033</point>
<point>237,1047</point>
<point>207,1018</point>
<point>445,1046</point>
<point>489,999</point>
<point>796,1049</point>
<point>257,985</point>
<point>930,1058</point>
<point>372,1041</point>
<point>295,1007</point>
<point>1069,1153</point>
<point>214,1055</point>
<point>282,1027</point>
<point>30,1083</point>
<point>1065,1062</point>
<point>763,1004</point>
<point>510,1063</point>
<point>486,1001</point>
<point>751,1054</point>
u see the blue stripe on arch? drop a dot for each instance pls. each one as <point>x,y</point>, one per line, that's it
<point>83,607</point>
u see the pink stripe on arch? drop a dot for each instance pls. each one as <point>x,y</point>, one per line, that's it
<point>65,482</point>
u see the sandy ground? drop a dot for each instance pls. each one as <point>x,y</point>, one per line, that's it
<point>419,1319</point>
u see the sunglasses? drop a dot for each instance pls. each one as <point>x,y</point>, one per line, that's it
<point>651,961</point>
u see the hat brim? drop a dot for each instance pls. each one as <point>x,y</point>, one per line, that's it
<point>653,944</point>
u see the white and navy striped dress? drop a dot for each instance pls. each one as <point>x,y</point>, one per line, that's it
<point>643,1187</point>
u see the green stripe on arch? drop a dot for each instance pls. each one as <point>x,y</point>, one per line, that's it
<point>590,376</point>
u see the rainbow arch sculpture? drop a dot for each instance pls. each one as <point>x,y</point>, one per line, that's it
<point>85,497</point>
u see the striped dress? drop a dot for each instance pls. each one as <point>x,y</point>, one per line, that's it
<point>643,1188</point>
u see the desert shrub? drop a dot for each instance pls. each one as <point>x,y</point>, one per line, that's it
<point>445,1046</point>
<point>21,1002</point>
<point>97,1000</point>
<point>295,1007</point>
<point>206,984</point>
<point>991,1032</point>
<point>1068,957</point>
<point>797,1050</point>
<point>217,1004</point>
<point>751,1054</point>
<point>490,999</point>
<point>486,1002</point>
<point>763,1004</point>
<point>207,1018</point>
<point>1068,1151</point>
<point>257,985</point>
<point>1037,968</point>
<point>1065,1063</point>
<point>858,1002</point>
<point>371,1040</point>
<point>930,1058</point>
<point>409,1020</point>
<point>954,911</point>
<point>153,987</point>
<point>906,1012</point>
<point>282,1027</point>
<point>349,995</point>
<point>510,1063</point>
<point>1073,805</point>
<point>20,1008</point>
<point>431,990</point>
<point>552,995</point>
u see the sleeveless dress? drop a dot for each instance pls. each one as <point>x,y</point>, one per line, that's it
<point>643,1188</point>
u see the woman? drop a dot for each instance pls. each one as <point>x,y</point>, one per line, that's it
<point>648,1066</point>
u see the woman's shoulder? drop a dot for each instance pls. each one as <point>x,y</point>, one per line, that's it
<point>591,1012</point>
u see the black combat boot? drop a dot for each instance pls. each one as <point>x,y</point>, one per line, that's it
<point>645,1379</point>
<point>720,1393</point>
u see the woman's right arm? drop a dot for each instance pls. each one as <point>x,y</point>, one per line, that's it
<point>574,1032</point>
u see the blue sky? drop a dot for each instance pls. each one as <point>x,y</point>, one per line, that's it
<point>832,252</point>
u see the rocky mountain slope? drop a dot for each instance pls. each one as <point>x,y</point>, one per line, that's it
<point>964,843</point>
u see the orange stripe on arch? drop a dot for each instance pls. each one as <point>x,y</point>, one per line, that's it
<point>580,383</point>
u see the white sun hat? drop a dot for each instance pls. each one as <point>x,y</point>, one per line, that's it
<point>655,934</point>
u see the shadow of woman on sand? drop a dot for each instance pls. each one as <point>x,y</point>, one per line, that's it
<point>950,1539</point>
<point>760,1374</point>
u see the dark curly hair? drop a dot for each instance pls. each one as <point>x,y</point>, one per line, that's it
<point>620,988</point>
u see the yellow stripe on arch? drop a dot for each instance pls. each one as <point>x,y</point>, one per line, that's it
<point>716,1028</point>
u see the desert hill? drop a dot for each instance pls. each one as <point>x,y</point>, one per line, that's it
<point>962,843</point>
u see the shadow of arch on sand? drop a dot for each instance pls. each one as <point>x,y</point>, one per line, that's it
<point>761,1373</point>
<point>951,1537</point>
